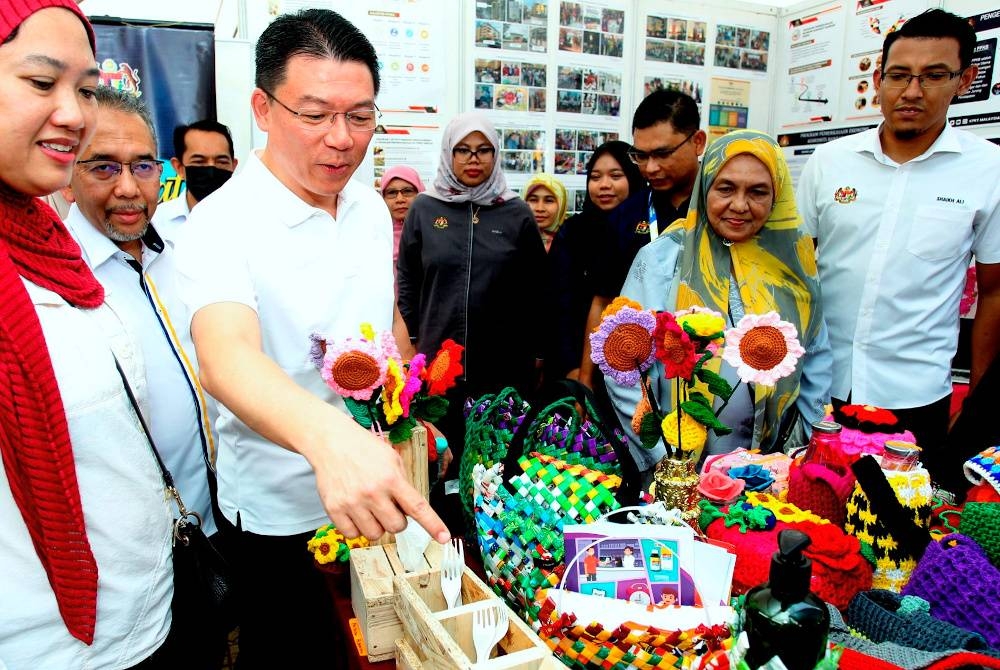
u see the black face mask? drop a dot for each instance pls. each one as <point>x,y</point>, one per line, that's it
<point>203,180</point>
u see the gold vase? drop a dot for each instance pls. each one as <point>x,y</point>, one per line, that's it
<point>676,485</point>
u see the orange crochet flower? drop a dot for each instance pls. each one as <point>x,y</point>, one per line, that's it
<point>441,373</point>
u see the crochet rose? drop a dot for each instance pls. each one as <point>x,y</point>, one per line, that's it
<point>719,488</point>
<point>756,477</point>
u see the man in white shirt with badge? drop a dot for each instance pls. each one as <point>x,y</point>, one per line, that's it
<point>898,212</point>
<point>205,160</point>
<point>288,247</point>
<point>113,194</point>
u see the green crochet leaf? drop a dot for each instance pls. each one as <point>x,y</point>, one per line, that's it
<point>429,407</point>
<point>868,553</point>
<point>704,415</point>
<point>650,431</point>
<point>402,430</point>
<point>359,410</point>
<point>717,386</point>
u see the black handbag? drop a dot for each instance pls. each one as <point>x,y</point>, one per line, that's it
<point>204,583</point>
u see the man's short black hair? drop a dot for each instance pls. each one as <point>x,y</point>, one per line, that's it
<point>320,33</point>
<point>664,105</point>
<point>206,125</point>
<point>935,23</point>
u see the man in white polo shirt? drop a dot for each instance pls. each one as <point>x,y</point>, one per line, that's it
<point>898,212</point>
<point>288,247</point>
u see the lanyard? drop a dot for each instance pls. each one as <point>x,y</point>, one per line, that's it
<point>654,228</point>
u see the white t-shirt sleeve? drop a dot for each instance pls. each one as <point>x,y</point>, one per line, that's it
<point>986,234</point>
<point>211,264</point>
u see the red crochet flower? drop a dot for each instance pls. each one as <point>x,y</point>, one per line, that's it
<point>440,374</point>
<point>674,347</point>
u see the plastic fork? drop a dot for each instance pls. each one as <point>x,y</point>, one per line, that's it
<point>502,623</point>
<point>452,566</point>
<point>484,625</point>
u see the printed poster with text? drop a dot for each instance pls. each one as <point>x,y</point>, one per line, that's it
<point>815,46</point>
<point>409,38</point>
<point>981,103</point>
<point>869,21</point>
<point>728,106</point>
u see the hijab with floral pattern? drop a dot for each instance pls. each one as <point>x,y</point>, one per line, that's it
<point>775,269</point>
<point>447,187</point>
<point>552,183</point>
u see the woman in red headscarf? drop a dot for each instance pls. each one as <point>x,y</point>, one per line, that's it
<point>85,530</point>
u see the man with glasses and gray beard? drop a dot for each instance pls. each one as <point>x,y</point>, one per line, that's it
<point>288,247</point>
<point>898,212</point>
<point>113,193</point>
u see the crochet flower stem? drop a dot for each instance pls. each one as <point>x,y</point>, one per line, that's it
<point>680,415</point>
<point>725,400</point>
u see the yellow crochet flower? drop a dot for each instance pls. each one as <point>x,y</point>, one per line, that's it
<point>783,511</point>
<point>617,304</point>
<point>704,324</point>
<point>693,434</point>
<point>395,380</point>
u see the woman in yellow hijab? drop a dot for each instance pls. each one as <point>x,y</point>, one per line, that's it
<point>739,251</point>
<point>546,196</point>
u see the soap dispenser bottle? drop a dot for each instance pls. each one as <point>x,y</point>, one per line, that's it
<point>782,617</point>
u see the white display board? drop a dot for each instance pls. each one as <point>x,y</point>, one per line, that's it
<point>559,77</point>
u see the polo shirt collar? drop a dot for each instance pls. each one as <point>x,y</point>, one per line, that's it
<point>285,205</point>
<point>97,248</point>
<point>869,142</point>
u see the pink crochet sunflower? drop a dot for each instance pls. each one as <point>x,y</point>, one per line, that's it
<point>354,368</point>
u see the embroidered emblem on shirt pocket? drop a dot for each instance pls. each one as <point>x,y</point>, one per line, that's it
<point>642,228</point>
<point>845,195</point>
<point>440,223</point>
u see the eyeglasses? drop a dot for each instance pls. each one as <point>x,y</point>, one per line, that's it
<point>658,155</point>
<point>925,80</point>
<point>390,194</point>
<point>358,120</point>
<point>465,154</point>
<point>146,169</point>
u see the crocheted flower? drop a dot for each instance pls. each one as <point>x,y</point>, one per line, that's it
<point>413,382</point>
<point>692,434</point>
<point>719,488</point>
<point>622,346</point>
<point>784,511</point>
<point>317,349</point>
<point>674,347</point>
<point>762,348</point>
<point>617,304</point>
<point>702,322</point>
<point>440,374</point>
<point>329,545</point>
<point>354,368</point>
<point>756,477</point>
<point>393,389</point>
<point>642,408</point>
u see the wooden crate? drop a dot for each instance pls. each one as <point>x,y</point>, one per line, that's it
<point>414,454</point>
<point>436,638</point>
<point>372,572</point>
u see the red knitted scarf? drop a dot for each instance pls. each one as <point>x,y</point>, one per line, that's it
<point>34,435</point>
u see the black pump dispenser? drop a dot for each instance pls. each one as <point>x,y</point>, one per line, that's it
<point>790,570</point>
<point>782,617</point>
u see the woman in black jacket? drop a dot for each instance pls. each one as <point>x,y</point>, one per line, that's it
<point>472,269</point>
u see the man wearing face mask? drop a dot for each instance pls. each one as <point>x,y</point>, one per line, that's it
<point>204,159</point>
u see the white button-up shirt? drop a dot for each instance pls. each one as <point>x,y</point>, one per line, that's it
<point>256,243</point>
<point>895,242</point>
<point>177,408</point>
<point>170,216</point>
<point>125,508</point>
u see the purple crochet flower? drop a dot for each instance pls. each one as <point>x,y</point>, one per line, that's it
<point>622,346</point>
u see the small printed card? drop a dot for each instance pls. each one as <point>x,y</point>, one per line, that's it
<point>659,566</point>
